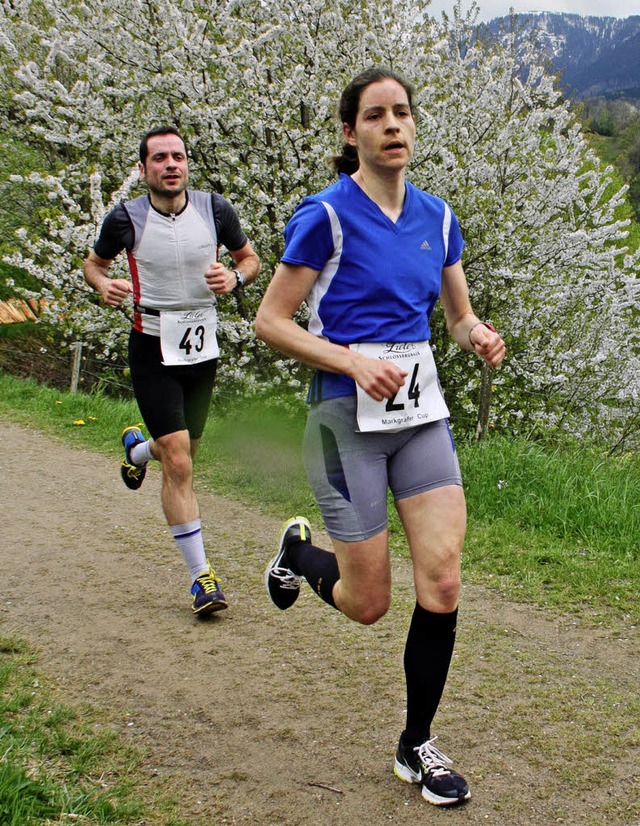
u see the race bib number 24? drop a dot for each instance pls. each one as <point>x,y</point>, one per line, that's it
<point>417,402</point>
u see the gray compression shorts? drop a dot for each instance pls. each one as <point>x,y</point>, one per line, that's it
<point>350,471</point>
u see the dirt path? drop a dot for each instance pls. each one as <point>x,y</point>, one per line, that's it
<point>273,719</point>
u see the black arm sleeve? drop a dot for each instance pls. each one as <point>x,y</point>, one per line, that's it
<point>116,234</point>
<point>228,226</point>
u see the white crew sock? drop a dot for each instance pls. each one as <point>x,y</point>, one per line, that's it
<point>140,454</point>
<point>189,540</point>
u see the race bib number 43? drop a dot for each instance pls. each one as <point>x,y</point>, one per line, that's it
<point>417,402</point>
<point>188,336</point>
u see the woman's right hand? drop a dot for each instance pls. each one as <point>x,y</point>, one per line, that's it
<point>380,379</point>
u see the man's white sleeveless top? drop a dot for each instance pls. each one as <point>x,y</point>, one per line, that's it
<point>169,258</point>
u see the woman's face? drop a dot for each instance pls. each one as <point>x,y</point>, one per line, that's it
<point>385,131</point>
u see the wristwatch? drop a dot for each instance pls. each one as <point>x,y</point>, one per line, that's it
<point>240,279</point>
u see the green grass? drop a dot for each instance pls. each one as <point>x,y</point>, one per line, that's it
<point>81,419</point>
<point>576,495</point>
<point>58,764</point>
<point>555,526</point>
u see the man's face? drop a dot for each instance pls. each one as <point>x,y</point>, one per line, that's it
<point>165,170</point>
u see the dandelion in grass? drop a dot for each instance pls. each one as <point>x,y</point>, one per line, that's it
<point>79,422</point>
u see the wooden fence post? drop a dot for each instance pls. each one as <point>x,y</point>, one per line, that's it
<point>75,367</point>
<point>485,401</point>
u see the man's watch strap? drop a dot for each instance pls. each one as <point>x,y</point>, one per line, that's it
<point>240,279</point>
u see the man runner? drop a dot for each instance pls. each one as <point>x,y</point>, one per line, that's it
<point>172,237</point>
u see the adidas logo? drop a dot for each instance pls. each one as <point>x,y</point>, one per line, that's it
<point>425,245</point>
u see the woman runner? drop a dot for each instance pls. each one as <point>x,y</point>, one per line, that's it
<point>371,255</point>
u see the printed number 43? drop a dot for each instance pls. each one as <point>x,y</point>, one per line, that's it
<point>412,393</point>
<point>186,342</point>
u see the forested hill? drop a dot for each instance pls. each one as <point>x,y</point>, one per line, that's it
<point>596,55</point>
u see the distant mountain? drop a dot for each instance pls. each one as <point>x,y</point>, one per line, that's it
<point>596,55</point>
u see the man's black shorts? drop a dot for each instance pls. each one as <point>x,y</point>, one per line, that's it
<point>169,398</point>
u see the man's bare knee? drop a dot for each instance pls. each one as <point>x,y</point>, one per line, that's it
<point>175,456</point>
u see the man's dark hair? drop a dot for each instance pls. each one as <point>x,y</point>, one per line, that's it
<point>157,130</point>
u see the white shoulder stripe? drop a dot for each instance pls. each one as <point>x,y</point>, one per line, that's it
<point>446,226</point>
<point>336,229</point>
<point>325,277</point>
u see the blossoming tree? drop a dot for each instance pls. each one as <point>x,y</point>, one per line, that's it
<point>254,86</point>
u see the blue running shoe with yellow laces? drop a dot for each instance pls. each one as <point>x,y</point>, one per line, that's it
<point>207,594</point>
<point>132,475</point>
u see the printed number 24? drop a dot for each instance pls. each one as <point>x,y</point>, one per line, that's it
<point>413,393</point>
<point>186,344</point>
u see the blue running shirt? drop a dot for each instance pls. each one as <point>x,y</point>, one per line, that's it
<point>378,281</point>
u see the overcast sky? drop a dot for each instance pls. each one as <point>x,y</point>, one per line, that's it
<point>499,8</point>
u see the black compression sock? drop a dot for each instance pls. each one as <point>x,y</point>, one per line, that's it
<point>317,566</point>
<point>427,657</point>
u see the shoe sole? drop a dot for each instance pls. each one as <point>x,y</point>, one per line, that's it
<point>296,520</point>
<point>436,800</point>
<point>212,608</point>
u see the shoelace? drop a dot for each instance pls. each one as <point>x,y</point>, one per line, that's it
<point>433,759</point>
<point>286,578</point>
<point>209,583</point>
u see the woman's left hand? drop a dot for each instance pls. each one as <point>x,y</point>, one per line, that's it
<point>488,344</point>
